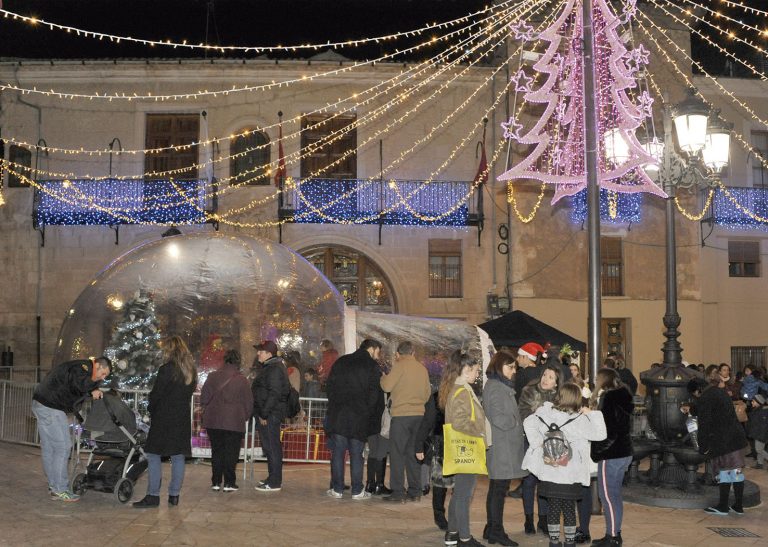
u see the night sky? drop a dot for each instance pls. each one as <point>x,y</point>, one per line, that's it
<point>272,22</point>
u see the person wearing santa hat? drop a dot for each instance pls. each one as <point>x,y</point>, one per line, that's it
<point>528,357</point>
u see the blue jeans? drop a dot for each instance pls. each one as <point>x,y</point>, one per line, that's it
<point>340,447</point>
<point>610,475</point>
<point>156,474</point>
<point>270,443</point>
<point>55,445</point>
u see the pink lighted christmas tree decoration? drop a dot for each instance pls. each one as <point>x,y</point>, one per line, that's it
<point>557,137</point>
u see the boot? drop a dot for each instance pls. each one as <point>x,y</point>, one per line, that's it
<point>370,486</point>
<point>555,544</point>
<point>608,541</point>
<point>486,531</point>
<point>381,490</point>
<point>173,500</point>
<point>148,501</point>
<point>543,525</point>
<point>502,538</point>
<point>530,529</point>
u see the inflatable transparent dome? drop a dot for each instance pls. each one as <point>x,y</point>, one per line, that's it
<point>217,291</point>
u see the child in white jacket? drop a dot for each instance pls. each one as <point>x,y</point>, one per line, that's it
<point>561,483</point>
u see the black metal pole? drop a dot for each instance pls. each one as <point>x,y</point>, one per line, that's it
<point>672,351</point>
<point>593,194</point>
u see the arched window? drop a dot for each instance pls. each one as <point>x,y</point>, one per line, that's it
<point>359,280</point>
<point>249,158</point>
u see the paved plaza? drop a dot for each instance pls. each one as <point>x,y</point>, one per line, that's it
<point>299,515</point>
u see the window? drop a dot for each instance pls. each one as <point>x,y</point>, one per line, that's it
<point>164,130</point>
<point>20,156</point>
<point>324,161</point>
<point>356,277</point>
<point>759,172</point>
<point>742,356</point>
<point>250,156</point>
<point>611,266</point>
<point>445,268</point>
<point>744,259</point>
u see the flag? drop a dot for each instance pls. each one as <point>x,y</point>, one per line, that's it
<point>482,169</point>
<point>281,172</point>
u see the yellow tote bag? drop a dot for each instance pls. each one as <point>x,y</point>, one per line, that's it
<point>463,453</point>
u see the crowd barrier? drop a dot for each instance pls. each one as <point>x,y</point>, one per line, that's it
<point>303,437</point>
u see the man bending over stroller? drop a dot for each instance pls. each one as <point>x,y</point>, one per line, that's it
<point>62,391</point>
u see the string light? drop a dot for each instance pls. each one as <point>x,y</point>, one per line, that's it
<point>748,9</point>
<point>762,203</point>
<point>525,219</point>
<point>704,209</point>
<point>694,30</point>
<point>212,216</point>
<point>34,21</point>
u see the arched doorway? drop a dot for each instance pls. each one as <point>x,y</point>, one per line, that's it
<point>359,280</point>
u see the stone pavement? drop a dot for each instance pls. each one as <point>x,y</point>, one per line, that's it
<point>299,515</point>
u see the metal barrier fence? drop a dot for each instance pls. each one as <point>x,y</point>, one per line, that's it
<point>17,424</point>
<point>20,374</point>
<point>303,437</point>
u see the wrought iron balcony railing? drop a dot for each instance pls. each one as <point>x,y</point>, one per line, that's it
<point>122,201</point>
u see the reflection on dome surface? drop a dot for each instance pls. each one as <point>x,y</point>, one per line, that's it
<point>218,292</point>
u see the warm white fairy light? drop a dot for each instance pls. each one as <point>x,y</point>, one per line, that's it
<point>401,158</point>
<point>722,50</point>
<point>273,223</point>
<point>175,148</point>
<point>34,21</point>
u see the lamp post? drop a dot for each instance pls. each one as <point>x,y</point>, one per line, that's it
<point>704,140</point>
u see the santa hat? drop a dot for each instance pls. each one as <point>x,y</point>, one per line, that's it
<point>530,350</point>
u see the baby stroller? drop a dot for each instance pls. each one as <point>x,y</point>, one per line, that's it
<point>117,460</point>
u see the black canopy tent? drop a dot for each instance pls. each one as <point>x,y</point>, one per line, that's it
<point>515,328</point>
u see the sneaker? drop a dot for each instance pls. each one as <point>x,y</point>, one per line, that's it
<point>231,488</point>
<point>216,487</point>
<point>738,511</point>
<point>362,496</point>
<point>264,481</point>
<point>331,493</point>
<point>582,537</point>
<point>451,538</point>
<point>267,488</point>
<point>64,496</point>
<point>715,511</point>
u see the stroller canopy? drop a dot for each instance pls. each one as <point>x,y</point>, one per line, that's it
<point>101,423</point>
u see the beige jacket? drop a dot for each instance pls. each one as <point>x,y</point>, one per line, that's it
<point>408,386</point>
<point>458,412</point>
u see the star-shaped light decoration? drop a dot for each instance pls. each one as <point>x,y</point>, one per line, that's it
<point>522,31</point>
<point>645,104</point>
<point>639,56</point>
<point>522,81</point>
<point>630,10</point>
<point>512,129</point>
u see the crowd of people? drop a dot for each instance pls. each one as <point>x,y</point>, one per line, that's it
<point>537,419</point>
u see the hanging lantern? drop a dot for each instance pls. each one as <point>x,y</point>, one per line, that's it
<point>616,147</point>
<point>717,144</point>
<point>690,118</point>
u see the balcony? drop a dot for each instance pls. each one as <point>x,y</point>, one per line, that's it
<point>740,208</point>
<point>387,202</point>
<point>114,202</point>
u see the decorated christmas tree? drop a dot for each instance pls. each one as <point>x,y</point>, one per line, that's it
<point>135,344</point>
<point>557,137</point>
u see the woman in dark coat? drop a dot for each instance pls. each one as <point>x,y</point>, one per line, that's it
<point>170,432</point>
<point>614,454</point>
<point>227,404</point>
<point>505,455</point>
<point>722,439</point>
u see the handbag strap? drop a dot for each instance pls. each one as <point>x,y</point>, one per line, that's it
<point>471,402</point>
<point>221,388</point>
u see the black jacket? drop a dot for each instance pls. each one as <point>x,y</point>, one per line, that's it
<point>757,426</point>
<point>617,409</point>
<point>67,385</point>
<point>628,379</point>
<point>720,432</point>
<point>170,430</point>
<point>270,390</point>
<point>355,398</point>
<point>429,436</point>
